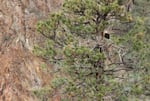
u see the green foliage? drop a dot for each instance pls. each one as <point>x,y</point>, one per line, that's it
<point>73,44</point>
<point>57,82</point>
<point>43,67</point>
<point>136,41</point>
<point>41,93</point>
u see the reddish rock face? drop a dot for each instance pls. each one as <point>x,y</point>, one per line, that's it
<point>19,68</point>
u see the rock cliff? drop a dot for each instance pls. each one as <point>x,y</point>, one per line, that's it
<point>20,70</point>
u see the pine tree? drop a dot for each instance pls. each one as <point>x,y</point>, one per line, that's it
<point>75,42</point>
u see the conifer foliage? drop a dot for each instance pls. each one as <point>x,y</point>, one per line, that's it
<point>87,63</point>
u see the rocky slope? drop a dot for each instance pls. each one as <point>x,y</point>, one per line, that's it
<point>20,70</point>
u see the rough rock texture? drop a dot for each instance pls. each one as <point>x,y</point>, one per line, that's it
<point>20,70</point>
